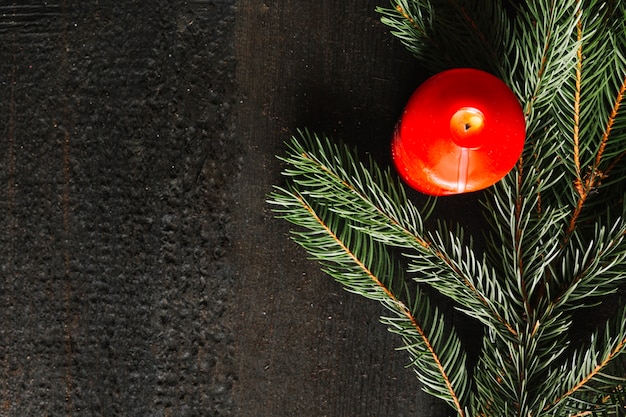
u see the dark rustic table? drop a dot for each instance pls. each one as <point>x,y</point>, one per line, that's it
<point>141,270</point>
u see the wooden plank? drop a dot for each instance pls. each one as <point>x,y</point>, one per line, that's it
<point>114,169</point>
<point>305,347</point>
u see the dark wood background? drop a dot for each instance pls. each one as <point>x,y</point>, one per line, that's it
<point>303,345</point>
<point>141,270</point>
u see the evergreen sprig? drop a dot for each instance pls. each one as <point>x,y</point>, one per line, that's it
<point>556,223</point>
<point>324,194</point>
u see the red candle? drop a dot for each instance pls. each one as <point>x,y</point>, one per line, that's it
<point>462,130</point>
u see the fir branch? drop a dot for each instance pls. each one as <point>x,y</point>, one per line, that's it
<point>521,210</point>
<point>594,175</point>
<point>603,72</point>
<point>364,267</point>
<point>375,204</point>
<point>585,107</point>
<point>544,55</point>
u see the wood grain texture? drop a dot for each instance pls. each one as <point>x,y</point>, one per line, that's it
<point>114,187</point>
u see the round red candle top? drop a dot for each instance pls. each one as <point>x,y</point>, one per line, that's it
<point>462,130</point>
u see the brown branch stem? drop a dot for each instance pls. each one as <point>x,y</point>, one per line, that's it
<point>579,71</point>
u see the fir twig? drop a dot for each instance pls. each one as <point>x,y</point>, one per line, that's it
<point>375,203</point>
<point>363,265</point>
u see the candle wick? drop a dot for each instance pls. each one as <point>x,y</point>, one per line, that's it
<point>467,126</point>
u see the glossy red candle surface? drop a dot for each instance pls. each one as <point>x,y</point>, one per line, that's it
<point>462,130</point>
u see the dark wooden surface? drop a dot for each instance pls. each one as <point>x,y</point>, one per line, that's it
<point>305,347</point>
<point>115,170</point>
<point>141,270</point>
